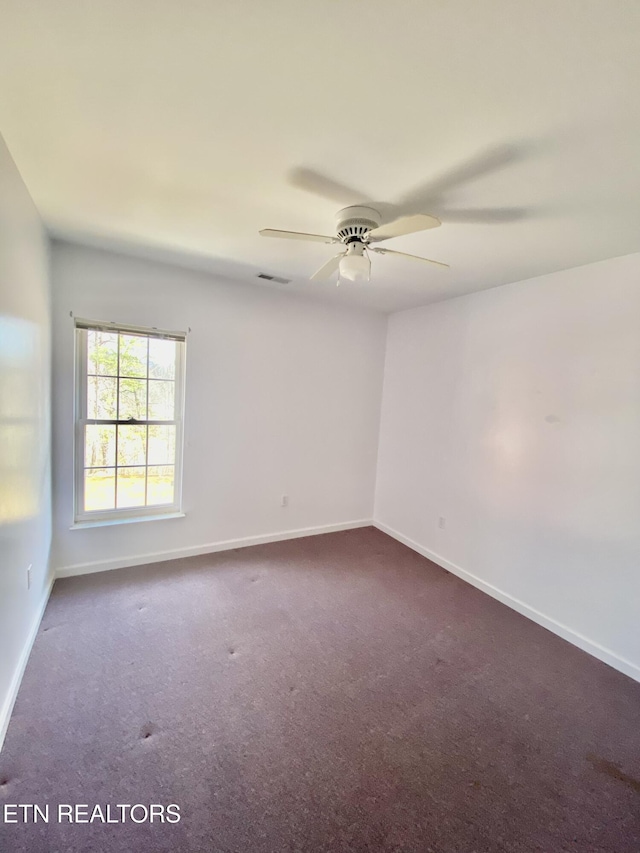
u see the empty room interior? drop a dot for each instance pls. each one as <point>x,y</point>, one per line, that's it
<point>320,426</point>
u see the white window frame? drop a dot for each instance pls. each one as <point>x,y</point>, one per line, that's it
<point>138,513</point>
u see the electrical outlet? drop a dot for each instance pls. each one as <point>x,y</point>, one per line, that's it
<point>284,500</point>
<point>441,522</point>
<point>29,575</point>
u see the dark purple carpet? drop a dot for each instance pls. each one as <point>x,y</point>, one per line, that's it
<point>335,693</point>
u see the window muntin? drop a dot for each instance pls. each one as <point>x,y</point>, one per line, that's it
<point>129,421</point>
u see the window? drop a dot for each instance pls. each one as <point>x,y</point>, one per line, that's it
<point>129,402</point>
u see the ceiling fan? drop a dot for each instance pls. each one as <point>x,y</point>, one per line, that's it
<point>368,221</point>
<point>356,228</point>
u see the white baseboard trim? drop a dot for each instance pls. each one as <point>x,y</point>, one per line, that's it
<point>14,687</point>
<point>209,548</point>
<point>577,639</point>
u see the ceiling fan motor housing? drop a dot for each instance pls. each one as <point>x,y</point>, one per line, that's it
<point>354,223</point>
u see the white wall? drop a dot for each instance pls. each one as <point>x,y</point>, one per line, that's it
<point>515,414</point>
<point>282,397</point>
<point>25,486</point>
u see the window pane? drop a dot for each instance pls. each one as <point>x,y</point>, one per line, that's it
<point>99,446</point>
<point>133,355</point>
<point>102,353</point>
<point>101,398</point>
<point>161,400</point>
<point>129,377</point>
<point>132,445</point>
<point>131,487</point>
<point>160,483</point>
<point>162,359</point>
<point>162,445</point>
<point>99,489</point>
<point>133,399</point>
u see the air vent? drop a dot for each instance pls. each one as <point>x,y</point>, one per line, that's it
<point>278,279</point>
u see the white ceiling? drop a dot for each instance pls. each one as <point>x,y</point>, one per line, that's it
<point>178,129</point>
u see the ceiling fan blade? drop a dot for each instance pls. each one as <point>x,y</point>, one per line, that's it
<point>404,225</point>
<point>328,269</point>
<point>297,235</point>
<point>314,182</point>
<point>405,255</point>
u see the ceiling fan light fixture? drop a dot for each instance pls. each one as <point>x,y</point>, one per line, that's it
<point>355,265</point>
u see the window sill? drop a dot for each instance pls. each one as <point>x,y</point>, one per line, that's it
<point>110,522</point>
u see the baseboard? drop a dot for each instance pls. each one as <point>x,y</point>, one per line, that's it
<point>209,548</point>
<point>9,702</point>
<point>606,655</point>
